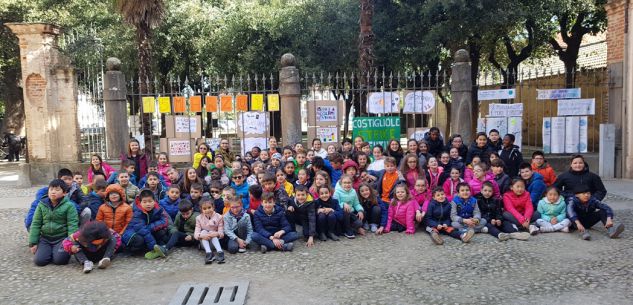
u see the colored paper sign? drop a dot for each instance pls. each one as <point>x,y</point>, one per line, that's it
<point>565,134</point>
<point>164,104</point>
<point>226,103</point>
<point>327,134</point>
<point>377,130</point>
<point>257,102</point>
<point>273,102</point>
<point>501,94</point>
<point>149,104</point>
<point>195,103</point>
<point>585,106</point>
<point>180,104</point>
<point>558,94</point>
<point>383,102</point>
<point>241,102</point>
<point>419,102</point>
<point>211,103</point>
<point>180,147</point>
<point>249,143</point>
<point>253,123</point>
<point>326,114</point>
<point>505,110</point>
<point>185,124</point>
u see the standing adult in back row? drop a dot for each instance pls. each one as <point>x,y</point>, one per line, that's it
<point>135,154</point>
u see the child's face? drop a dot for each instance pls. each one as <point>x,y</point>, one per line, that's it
<point>248,157</point>
<point>289,169</point>
<point>346,184</point>
<point>475,161</point>
<point>152,181</point>
<point>324,194</point>
<point>152,169</point>
<point>69,180</point>
<point>238,179</point>
<point>287,154</point>
<point>457,142</point>
<point>507,142</point>
<point>552,196</point>
<point>358,142</point>
<point>464,192</point>
<point>114,197</point>
<point>423,148</point>
<point>203,149</point>
<point>439,196</point>
<point>525,173</point>
<point>497,170</point>
<point>518,188</point>
<point>130,169</point>
<point>412,163</point>
<point>486,191</point>
<point>263,155</point>
<point>260,178</point>
<point>432,163</point>
<point>319,180</point>
<point>454,174</point>
<point>478,172</point>
<point>56,193</point>
<point>134,147</point>
<point>538,160</point>
<point>494,136</point>
<point>275,162</point>
<point>79,179</point>
<point>236,207</point>
<point>366,149</point>
<point>301,159</point>
<point>204,162</point>
<point>268,186</point>
<point>444,158</point>
<point>219,163</point>
<point>268,205</point>
<point>583,197</point>
<point>347,146</point>
<point>350,171</point>
<point>95,161</point>
<point>195,194</point>
<point>394,146</point>
<point>236,166</point>
<point>162,159</point>
<point>454,153</point>
<point>493,157</point>
<point>302,176</point>
<point>208,210</point>
<point>215,175</point>
<point>227,195</point>
<point>481,141</point>
<point>173,193</point>
<point>214,191</point>
<point>390,167</point>
<point>401,193</point>
<point>420,186</point>
<point>412,147</point>
<point>258,168</point>
<point>124,179</point>
<point>173,175</point>
<point>186,214</point>
<point>316,145</point>
<point>377,152</point>
<point>191,174</point>
<point>362,160</point>
<point>331,149</point>
<point>147,203</point>
<point>309,156</point>
<point>364,192</point>
<point>301,197</point>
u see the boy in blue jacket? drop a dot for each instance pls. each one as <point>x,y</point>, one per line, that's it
<point>438,219</point>
<point>152,167</point>
<point>171,201</point>
<point>534,183</point>
<point>272,230</point>
<point>585,211</point>
<point>241,188</point>
<point>149,228</point>
<point>127,166</point>
<point>96,197</point>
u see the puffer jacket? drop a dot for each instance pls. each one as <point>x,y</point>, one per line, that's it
<point>536,187</point>
<point>214,224</point>
<point>476,185</point>
<point>569,179</point>
<point>404,214</point>
<point>266,225</point>
<point>350,197</point>
<point>549,176</point>
<point>550,210</point>
<point>116,218</point>
<point>438,213</point>
<point>145,222</point>
<point>464,209</point>
<point>512,158</point>
<point>519,206</point>
<point>170,206</point>
<point>187,226</point>
<point>73,240</point>
<point>53,222</point>
<point>490,208</point>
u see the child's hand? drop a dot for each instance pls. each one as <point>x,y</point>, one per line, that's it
<point>419,216</point>
<point>580,227</point>
<point>526,223</point>
<point>74,249</point>
<point>469,222</point>
<point>554,220</point>
<point>34,249</point>
<point>380,230</point>
<point>361,216</point>
<point>609,223</point>
<point>310,242</point>
<point>321,211</point>
<point>188,238</point>
<point>279,233</point>
<point>241,243</point>
<point>291,209</point>
<point>347,208</point>
<point>278,243</point>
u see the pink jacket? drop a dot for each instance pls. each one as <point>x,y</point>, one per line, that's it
<point>469,175</point>
<point>404,214</point>
<point>107,170</point>
<point>215,224</point>
<point>476,184</point>
<point>162,170</point>
<point>422,199</point>
<point>519,206</point>
<point>450,188</point>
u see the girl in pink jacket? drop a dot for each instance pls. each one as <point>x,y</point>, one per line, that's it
<point>479,177</point>
<point>97,166</point>
<point>402,211</point>
<point>210,227</point>
<point>518,207</point>
<point>450,185</point>
<point>163,167</point>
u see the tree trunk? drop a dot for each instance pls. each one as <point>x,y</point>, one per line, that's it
<point>143,35</point>
<point>475,55</point>
<point>365,54</point>
<point>14,116</point>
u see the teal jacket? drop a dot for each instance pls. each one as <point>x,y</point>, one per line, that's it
<point>350,197</point>
<point>55,222</point>
<point>550,210</point>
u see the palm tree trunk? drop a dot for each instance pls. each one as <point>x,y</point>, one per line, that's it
<point>143,35</point>
<point>365,54</point>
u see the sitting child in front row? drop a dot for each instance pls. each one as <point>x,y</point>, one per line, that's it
<point>586,211</point>
<point>553,212</point>
<point>465,214</point>
<point>353,213</point>
<point>237,227</point>
<point>377,210</point>
<point>272,230</point>
<point>184,227</point>
<point>94,242</point>
<point>402,211</point>
<point>518,207</point>
<point>438,219</point>
<point>149,228</point>
<point>301,212</point>
<point>171,201</point>
<point>491,209</point>
<point>328,210</point>
<point>209,230</point>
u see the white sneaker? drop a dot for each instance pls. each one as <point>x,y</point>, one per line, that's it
<point>503,236</point>
<point>533,230</point>
<point>241,250</point>
<point>373,228</point>
<point>88,266</point>
<point>484,230</point>
<point>104,263</point>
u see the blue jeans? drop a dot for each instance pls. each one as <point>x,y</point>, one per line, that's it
<point>261,240</point>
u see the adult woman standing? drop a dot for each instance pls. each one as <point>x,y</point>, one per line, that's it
<point>135,154</point>
<point>579,174</point>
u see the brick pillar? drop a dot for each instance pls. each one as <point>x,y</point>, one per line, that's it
<point>461,93</point>
<point>290,99</point>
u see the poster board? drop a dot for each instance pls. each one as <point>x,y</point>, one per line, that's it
<point>505,110</point>
<point>498,94</point>
<point>327,134</point>
<point>377,130</point>
<point>183,126</point>
<point>253,124</point>
<point>565,134</point>
<point>214,143</point>
<point>325,119</point>
<point>505,125</point>
<point>573,107</point>
<point>421,102</point>
<point>383,102</point>
<point>179,150</point>
<point>248,143</point>
<point>557,94</point>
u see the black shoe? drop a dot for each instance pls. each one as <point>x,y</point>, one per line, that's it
<point>220,257</point>
<point>322,237</point>
<point>350,235</point>
<point>288,247</point>
<point>263,249</point>
<point>208,259</point>
<point>333,236</point>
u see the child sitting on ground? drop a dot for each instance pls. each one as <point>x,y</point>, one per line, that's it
<point>94,242</point>
<point>154,185</point>
<point>450,185</point>
<point>353,212</point>
<point>128,167</point>
<point>96,198</point>
<point>301,212</point>
<point>402,211</point>
<point>149,228</point>
<point>465,214</point>
<point>115,212</point>
<point>518,207</point>
<point>585,211</point>
<point>55,219</point>
<point>491,209</point>
<point>131,190</point>
<point>272,230</point>
<point>422,196</point>
<point>215,190</point>
<point>553,212</point>
<point>237,228</point>
<point>328,211</point>
<point>209,230</point>
<point>195,195</point>
<point>269,185</point>
<point>183,230</point>
<point>283,183</point>
<point>171,201</point>
<point>377,210</point>
<point>438,219</point>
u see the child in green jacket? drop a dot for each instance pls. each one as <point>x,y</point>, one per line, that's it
<point>553,210</point>
<point>184,226</point>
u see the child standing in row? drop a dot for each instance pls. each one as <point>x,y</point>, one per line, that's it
<point>209,230</point>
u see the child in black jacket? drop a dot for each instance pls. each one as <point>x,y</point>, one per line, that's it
<point>301,211</point>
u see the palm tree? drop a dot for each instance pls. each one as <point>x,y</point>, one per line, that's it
<point>143,15</point>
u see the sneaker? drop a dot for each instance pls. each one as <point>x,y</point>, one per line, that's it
<point>586,236</point>
<point>208,258</point>
<point>241,250</point>
<point>520,235</point>
<point>333,236</point>
<point>484,230</point>
<point>615,230</point>
<point>565,230</point>
<point>104,263</point>
<point>349,235</point>
<point>437,239</point>
<point>220,257</point>
<point>152,254</point>
<point>263,249</point>
<point>503,236</point>
<point>288,247</point>
<point>533,230</point>
<point>373,228</point>
<point>466,237</point>
<point>88,266</point>
<point>366,226</point>
<point>161,250</point>
<point>322,237</point>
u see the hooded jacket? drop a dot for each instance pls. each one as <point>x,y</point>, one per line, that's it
<point>242,190</point>
<point>170,206</point>
<point>435,146</point>
<point>350,197</point>
<point>490,208</point>
<point>116,218</point>
<point>551,210</point>
<point>266,225</point>
<point>577,210</point>
<point>75,195</point>
<point>94,201</point>
<point>73,240</point>
<point>404,214</point>
<point>536,187</point>
<point>450,188</point>
<point>145,222</point>
<point>53,222</point>
<point>569,179</point>
<point>438,213</point>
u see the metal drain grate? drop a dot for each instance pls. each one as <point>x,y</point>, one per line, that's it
<point>233,293</point>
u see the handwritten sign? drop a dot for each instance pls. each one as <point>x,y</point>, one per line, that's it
<point>249,143</point>
<point>505,110</point>
<point>326,114</point>
<point>419,102</point>
<point>211,103</point>
<point>257,102</point>
<point>253,122</point>
<point>214,143</point>
<point>149,104</point>
<point>273,102</point>
<point>179,147</point>
<point>241,102</point>
<point>557,94</point>
<point>226,103</point>
<point>195,103</point>
<point>185,124</point>
<point>383,102</point>
<point>327,134</point>
<point>164,104</point>
<point>505,125</point>
<point>585,106</point>
<point>500,94</point>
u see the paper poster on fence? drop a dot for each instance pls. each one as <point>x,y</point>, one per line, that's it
<point>565,135</point>
<point>515,128</point>
<point>557,94</point>
<point>211,103</point>
<point>273,102</point>
<point>214,143</point>
<point>257,102</point>
<point>377,130</point>
<point>248,144</point>
<point>179,147</point>
<point>505,110</point>
<point>327,134</point>
<point>383,102</point>
<point>586,106</point>
<point>501,94</point>
<point>575,134</point>
<point>419,102</point>
<point>253,123</point>
<point>164,104</point>
<point>185,124</point>
<point>195,103</point>
<point>326,114</point>
<point>149,104</point>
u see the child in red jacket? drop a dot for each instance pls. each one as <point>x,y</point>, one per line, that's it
<point>518,207</point>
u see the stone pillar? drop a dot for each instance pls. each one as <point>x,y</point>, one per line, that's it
<point>50,101</point>
<point>290,100</point>
<point>114,99</point>
<point>461,95</point>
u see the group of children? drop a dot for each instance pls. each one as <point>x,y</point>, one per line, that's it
<point>258,201</point>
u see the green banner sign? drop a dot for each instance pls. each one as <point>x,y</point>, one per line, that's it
<point>377,130</point>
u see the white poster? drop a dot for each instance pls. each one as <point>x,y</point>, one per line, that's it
<point>180,147</point>
<point>327,134</point>
<point>505,110</point>
<point>418,134</point>
<point>326,114</point>
<point>565,134</point>
<point>557,94</point>
<point>249,143</point>
<point>214,143</point>
<point>253,123</point>
<point>419,102</point>
<point>186,124</point>
<point>585,106</point>
<point>515,125</point>
<point>501,94</point>
<point>547,135</point>
<point>383,102</point>
<point>576,134</point>
<point>557,139</point>
<point>141,140</point>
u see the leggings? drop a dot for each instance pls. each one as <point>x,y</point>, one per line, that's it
<point>509,217</point>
